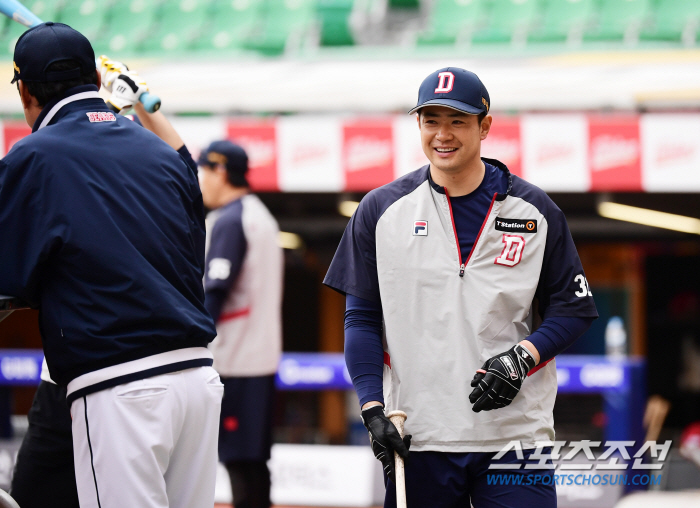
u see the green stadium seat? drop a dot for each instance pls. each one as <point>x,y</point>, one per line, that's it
<point>334,17</point>
<point>451,21</point>
<point>403,4</point>
<point>508,21</point>
<point>46,10</point>
<point>129,23</point>
<point>674,20</point>
<point>619,20</point>
<point>563,20</point>
<point>232,22</point>
<point>86,16</point>
<point>286,24</point>
<point>178,24</point>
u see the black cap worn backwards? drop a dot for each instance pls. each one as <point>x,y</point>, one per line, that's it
<point>230,155</point>
<point>454,88</point>
<point>50,42</point>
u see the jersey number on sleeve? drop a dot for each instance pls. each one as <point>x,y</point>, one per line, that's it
<point>585,288</point>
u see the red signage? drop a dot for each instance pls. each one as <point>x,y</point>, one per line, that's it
<point>614,153</point>
<point>14,131</point>
<point>503,143</point>
<point>258,138</point>
<point>368,154</point>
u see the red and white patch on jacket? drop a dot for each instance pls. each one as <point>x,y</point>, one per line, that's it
<point>101,116</point>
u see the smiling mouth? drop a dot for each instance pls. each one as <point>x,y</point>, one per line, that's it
<point>445,150</point>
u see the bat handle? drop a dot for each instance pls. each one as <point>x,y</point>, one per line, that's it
<point>397,418</point>
<point>151,103</point>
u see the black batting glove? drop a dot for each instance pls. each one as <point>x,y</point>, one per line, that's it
<point>385,439</point>
<point>500,379</point>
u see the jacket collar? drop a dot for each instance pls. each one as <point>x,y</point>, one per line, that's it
<point>509,175</point>
<point>56,109</point>
<point>493,162</point>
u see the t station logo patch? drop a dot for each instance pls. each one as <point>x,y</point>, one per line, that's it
<point>516,225</point>
<point>420,228</point>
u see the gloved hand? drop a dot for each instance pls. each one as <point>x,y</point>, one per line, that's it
<point>110,71</point>
<point>127,87</point>
<point>385,439</point>
<point>499,380</point>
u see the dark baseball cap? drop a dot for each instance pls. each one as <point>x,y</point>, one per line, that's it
<point>230,155</point>
<point>48,43</point>
<point>454,88</point>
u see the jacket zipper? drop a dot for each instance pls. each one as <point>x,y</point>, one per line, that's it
<point>454,228</point>
<point>463,266</point>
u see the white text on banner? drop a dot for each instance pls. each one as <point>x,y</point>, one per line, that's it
<point>555,152</point>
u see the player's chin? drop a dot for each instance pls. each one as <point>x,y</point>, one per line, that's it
<point>445,165</point>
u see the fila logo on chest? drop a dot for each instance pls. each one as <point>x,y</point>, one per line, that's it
<point>420,228</point>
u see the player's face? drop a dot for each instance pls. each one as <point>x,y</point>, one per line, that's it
<point>451,139</point>
<point>211,180</point>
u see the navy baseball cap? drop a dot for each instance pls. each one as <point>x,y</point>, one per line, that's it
<point>454,88</point>
<point>50,42</point>
<point>232,156</point>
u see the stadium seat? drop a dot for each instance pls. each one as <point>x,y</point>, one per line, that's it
<point>286,24</point>
<point>11,30</point>
<point>508,21</point>
<point>231,23</point>
<point>403,4</point>
<point>619,20</point>
<point>334,17</point>
<point>86,16</point>
<point>177,25</point>
<point>129,24</point>
<point>563,20</point>
<point>674,20</point>
<point>452,21</point>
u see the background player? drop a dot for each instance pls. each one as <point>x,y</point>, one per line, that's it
<point>449,262</point>
<point>243,287</point>
<point>111,250</point>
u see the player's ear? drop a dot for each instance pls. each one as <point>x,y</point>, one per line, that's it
<point>28,100</point>
<point>24,95</point>
<point>485,126</point>
<point>99,79</point>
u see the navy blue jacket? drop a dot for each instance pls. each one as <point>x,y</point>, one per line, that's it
<point>102,229</point>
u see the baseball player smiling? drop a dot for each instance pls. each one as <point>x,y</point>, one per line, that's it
<point>446,272</point>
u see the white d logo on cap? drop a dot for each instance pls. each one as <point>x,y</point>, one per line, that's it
<point>445,83</point>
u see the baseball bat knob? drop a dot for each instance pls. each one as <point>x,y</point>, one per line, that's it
<point>397,418</point>
<point>151,103</point>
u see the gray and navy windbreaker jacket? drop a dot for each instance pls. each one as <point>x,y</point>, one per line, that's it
<point>102,229</point>
<point>443,319</point>
<point>249,328</point>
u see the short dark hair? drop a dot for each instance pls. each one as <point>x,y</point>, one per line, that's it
<point>480,118</point>
<point>236,178</point>
<point>46,91</point>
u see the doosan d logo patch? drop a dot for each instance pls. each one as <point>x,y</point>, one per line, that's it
<point>512,252</point>
<point>420,228</point>
<point>446,81</point>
